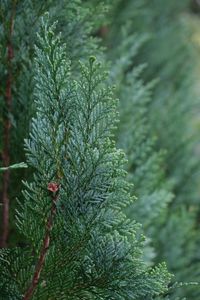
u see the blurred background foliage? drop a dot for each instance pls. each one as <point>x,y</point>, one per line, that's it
<point>152,51</point>
<point>162,142</point>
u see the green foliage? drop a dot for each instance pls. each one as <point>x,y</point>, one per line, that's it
<point>172,116</point>
<point>78,23</point>
<point>95,251</point>
<point>15,166</point>
<point>146,165</point>
<point>177,96</point>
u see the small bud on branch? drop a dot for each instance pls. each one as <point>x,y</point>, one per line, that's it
<point>53,187</point>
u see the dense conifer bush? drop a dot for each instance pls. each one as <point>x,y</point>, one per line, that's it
<point>19,21</point>
<point>171,55</point>
<point>91,224</point>
<point>79,243</point>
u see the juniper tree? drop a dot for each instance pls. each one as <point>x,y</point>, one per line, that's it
<point>79,243</point>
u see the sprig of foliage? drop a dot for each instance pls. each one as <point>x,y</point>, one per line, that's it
<point>94,251</point>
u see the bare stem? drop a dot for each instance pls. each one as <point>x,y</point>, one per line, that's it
<point>44,249</point>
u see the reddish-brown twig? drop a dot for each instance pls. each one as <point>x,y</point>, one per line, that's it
<point>45,246</point>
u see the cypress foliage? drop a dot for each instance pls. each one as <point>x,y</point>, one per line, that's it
<point>179,135</point>
<point>19,21</point>
<point>76,241</point>
<point>145,164</point>
<point>172,115</point>
<point>80,245</point>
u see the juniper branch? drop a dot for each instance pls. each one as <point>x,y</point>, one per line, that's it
<point>44,249</point>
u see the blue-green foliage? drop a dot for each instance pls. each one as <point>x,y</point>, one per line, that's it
<point>77,22</point>
<point>177,104</point>
<point>171,57</point>
<point>145,166</point>
<point>95,251</point>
